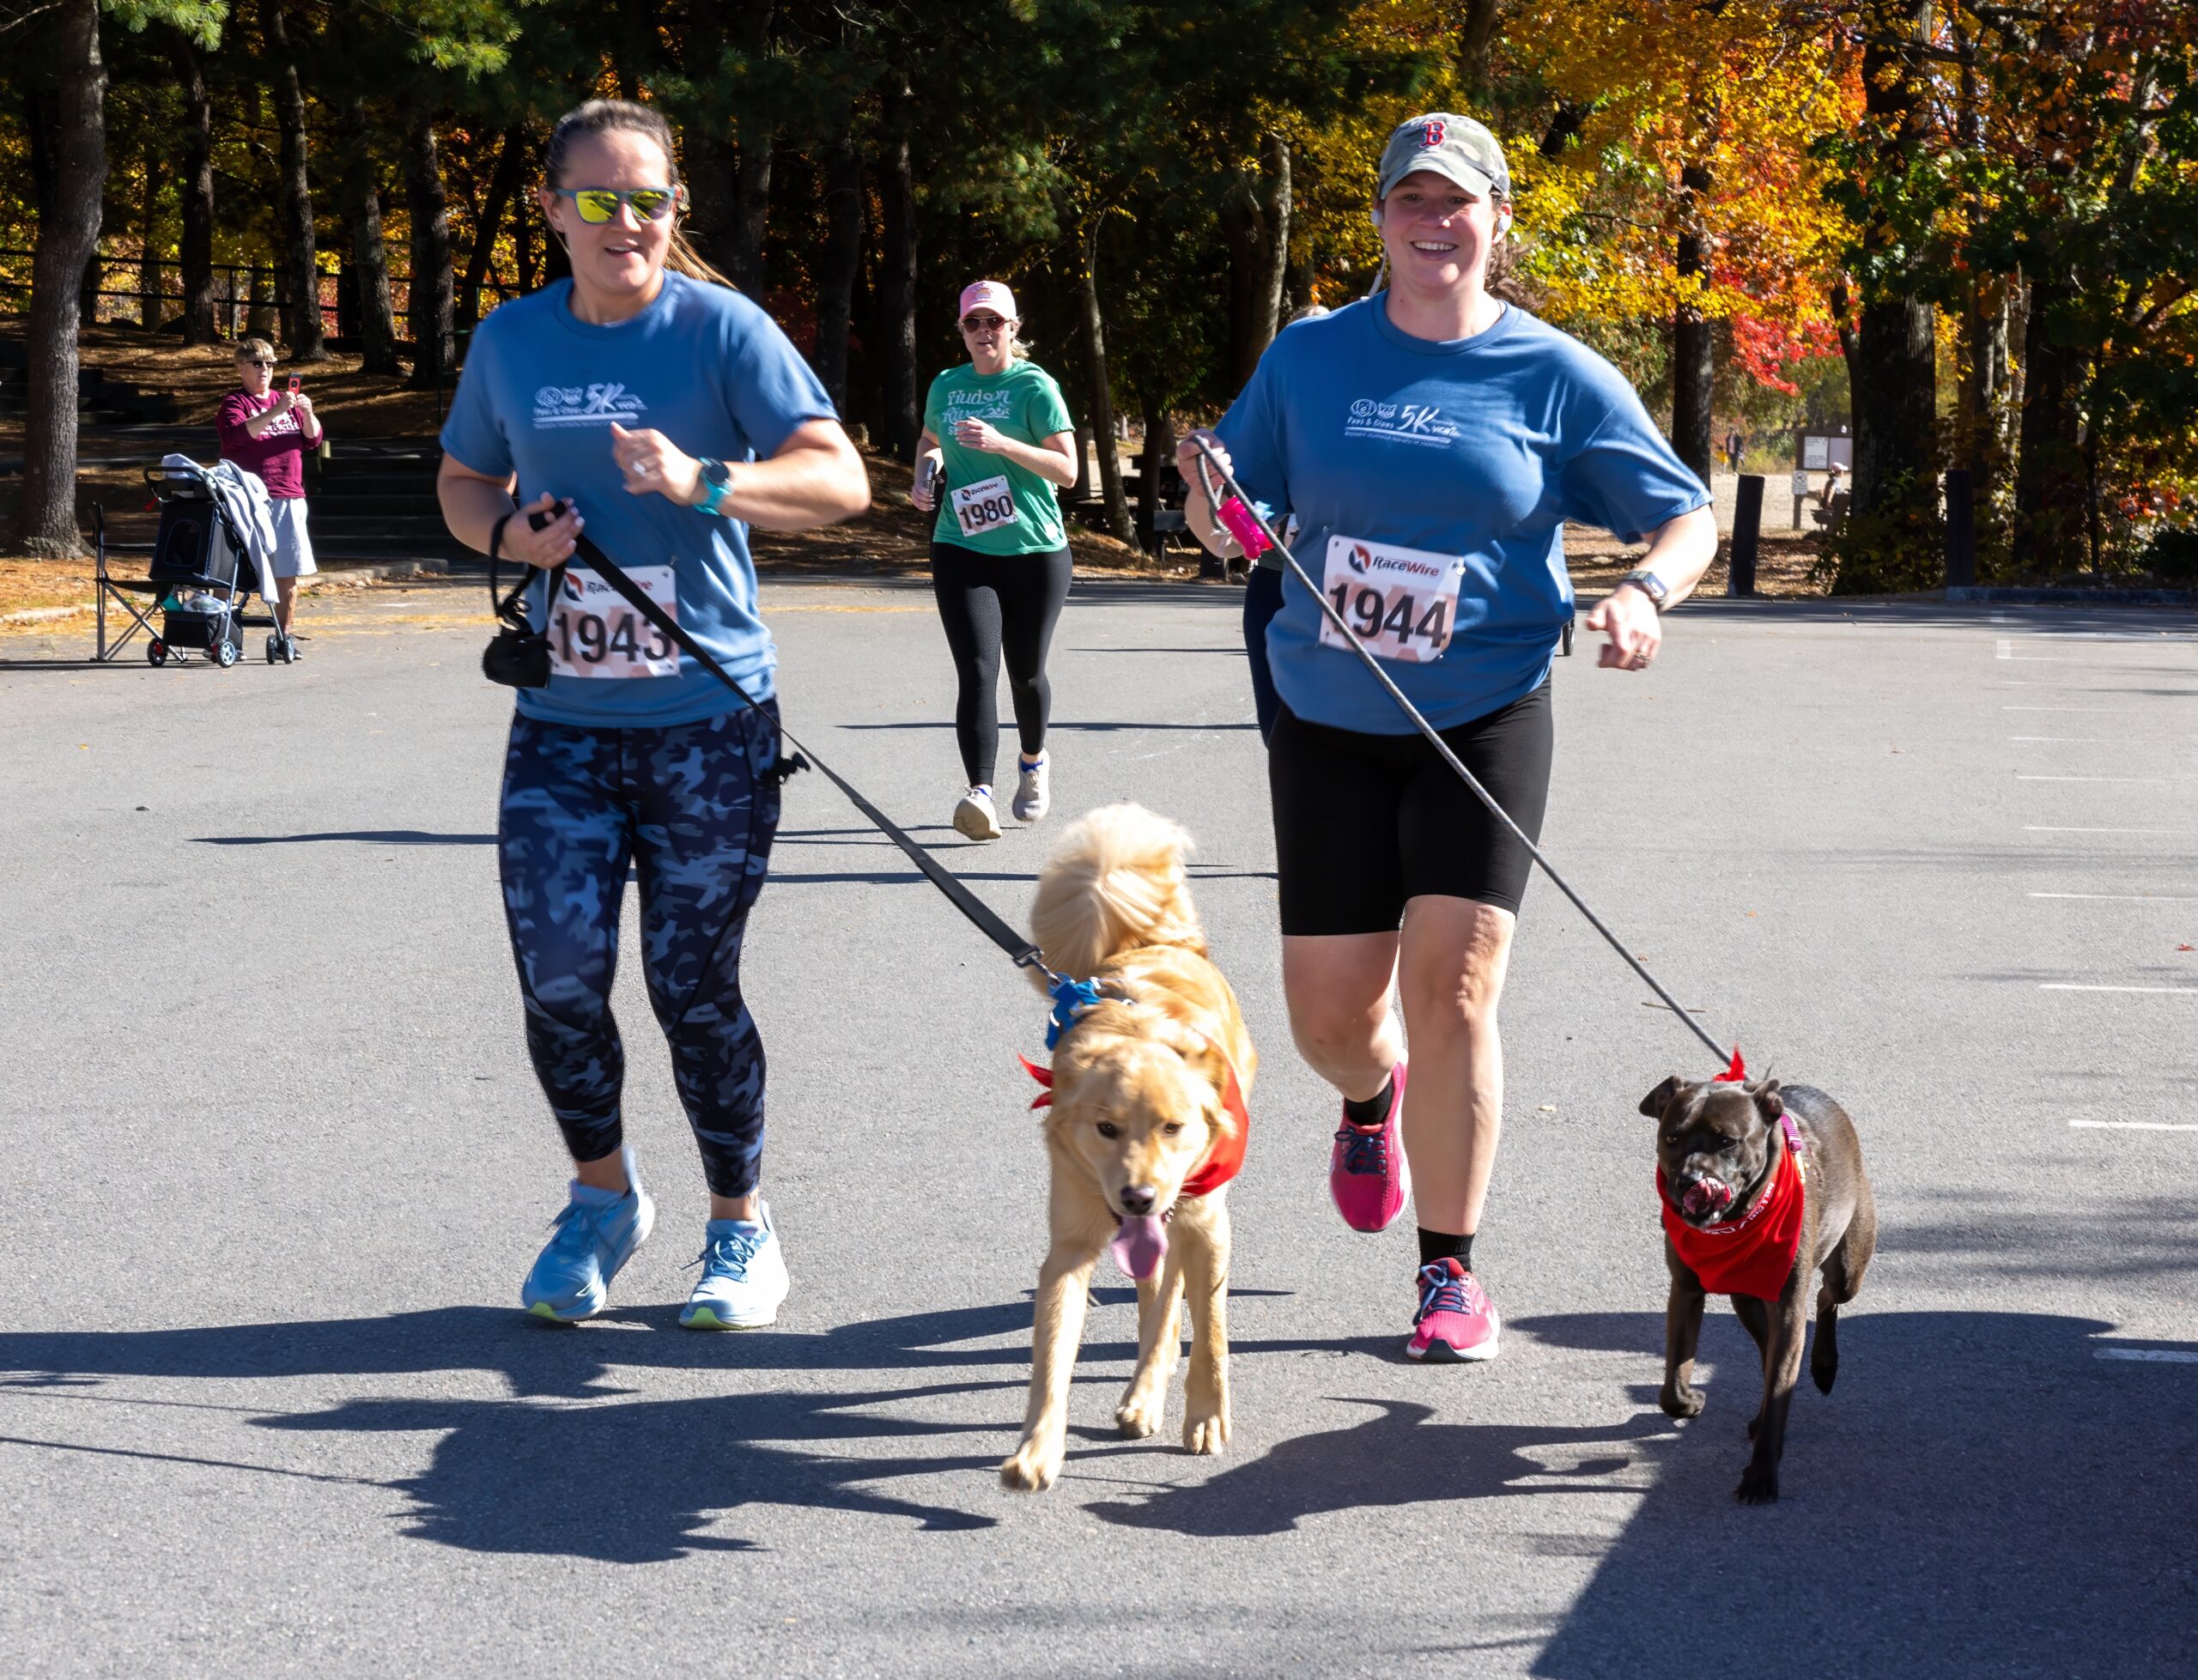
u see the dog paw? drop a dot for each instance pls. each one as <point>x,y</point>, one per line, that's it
<point>1680,1402</point>
<point>1031,1470</point>
<point>1206,1436</point>
<point>1757,1486</point>
<point>1137,1418</point>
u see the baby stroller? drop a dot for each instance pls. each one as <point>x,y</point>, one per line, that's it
<point>201,577</point>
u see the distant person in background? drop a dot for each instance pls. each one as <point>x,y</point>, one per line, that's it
<point>267,433</point>
<point>997,436</point>
<point>1736,449</point>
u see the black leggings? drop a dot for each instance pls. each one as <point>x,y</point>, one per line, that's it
<point>992,605</point>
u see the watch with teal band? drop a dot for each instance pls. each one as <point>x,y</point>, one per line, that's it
<point>718,477</point>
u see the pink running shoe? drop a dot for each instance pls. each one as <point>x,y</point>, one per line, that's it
<point>1456,1323</point>
<point>1367,1174</point>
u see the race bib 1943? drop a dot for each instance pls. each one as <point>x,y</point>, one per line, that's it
<point>988,506</point>
<point>594,632</point>
<point>1401,603</point>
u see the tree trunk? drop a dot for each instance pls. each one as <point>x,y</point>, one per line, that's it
<point>841,256</point>
<point>369,256</point>
<point>523,239</point>
<point>1473,37</point>
<point>301,267</point>
<point>1896,365</point>
<point>751,204</point>
<point>1255,227</point>
<point>902,422</point>
<point>67,235</point>
<point>433,351</point>
<point>149,243</point>
<point>503,186</point>
<point>1693,366</point>
<point>711,169</point>
<point>1102,398</point>
<point>195,190</point>
<point>1277,252</point>
<point>2049,534</point>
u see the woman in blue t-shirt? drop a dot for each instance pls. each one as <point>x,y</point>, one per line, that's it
<point>668,414</point>
<point>1430,441</point>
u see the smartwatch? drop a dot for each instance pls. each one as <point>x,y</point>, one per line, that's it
<point>718,477</point>
<point>1650,585</point>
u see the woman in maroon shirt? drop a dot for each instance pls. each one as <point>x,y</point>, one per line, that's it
<point>267,433</point>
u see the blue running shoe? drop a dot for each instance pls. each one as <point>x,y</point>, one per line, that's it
<point>596,1233</point>
<point>744,1275</point>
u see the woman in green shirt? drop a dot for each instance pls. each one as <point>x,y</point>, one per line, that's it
<point>997,439</point>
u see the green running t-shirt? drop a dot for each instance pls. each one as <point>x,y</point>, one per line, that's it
<point>989,504</point>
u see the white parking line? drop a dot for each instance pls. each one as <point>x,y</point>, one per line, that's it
<point>2171,990</point>
<point>2121,898</point>
<point>2151,1355</point>
<point>2131,1125</point>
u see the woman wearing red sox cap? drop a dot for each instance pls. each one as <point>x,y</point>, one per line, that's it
<point>997,439</point>
<point>1431,441</point>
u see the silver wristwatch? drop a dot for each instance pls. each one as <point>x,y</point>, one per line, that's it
<point>1650,585</point>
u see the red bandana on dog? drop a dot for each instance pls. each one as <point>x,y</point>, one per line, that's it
<point>1224,1161</point>
<point>1752,1255</point>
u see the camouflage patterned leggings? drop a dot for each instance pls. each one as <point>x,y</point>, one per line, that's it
<point>694,809</point>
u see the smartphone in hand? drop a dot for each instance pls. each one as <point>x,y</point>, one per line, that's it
<point>297,384</point>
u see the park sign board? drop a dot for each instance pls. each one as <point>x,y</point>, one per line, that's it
<point>1820,451</point>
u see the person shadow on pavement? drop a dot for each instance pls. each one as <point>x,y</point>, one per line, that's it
<point>572,1463</point>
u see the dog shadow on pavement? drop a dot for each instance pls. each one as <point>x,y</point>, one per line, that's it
<point>1982,1494</point>
<point>1396,1457</point>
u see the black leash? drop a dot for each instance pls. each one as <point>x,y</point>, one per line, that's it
<point>981,915</point>
<point>1241,513</point>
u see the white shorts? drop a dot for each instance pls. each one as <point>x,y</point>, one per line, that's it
<point>292,544</point>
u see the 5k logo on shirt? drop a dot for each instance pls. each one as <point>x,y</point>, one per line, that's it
<point>1399,423</point>
<point>601,404</point>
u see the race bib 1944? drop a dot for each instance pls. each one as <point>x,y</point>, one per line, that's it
<point>986,505</point>
<point>1401,603</point>
<point>595,632</point>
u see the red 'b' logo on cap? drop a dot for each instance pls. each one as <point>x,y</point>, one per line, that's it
<point>1431,135</point>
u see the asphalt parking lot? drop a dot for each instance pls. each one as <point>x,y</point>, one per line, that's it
<point>276,1164</point>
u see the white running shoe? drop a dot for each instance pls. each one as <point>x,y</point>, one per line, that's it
<point>974,816</point>
<point>1032,796</point>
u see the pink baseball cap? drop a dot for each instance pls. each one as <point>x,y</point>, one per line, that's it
<point>991,293</point>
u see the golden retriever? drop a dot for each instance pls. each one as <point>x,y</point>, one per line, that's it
<point>1145,1124</point>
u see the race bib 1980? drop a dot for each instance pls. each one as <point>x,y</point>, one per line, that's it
<point>989,505</point>
<point>1401,603</point>
<point>595,632</point>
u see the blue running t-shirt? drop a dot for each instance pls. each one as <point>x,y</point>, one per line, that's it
<point>713,372</point>
<point>1414,468</point>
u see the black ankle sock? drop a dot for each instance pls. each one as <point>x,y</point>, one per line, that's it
<point>1442,1245</point>
<point>1373,1110</point>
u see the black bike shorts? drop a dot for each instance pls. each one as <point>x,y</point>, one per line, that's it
<point>1363,822</point>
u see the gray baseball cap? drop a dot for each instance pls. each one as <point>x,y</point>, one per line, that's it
<point>1458,148</point>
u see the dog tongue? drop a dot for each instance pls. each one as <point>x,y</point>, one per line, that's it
<point>1707,1196</point>
<point>1138,1245</point>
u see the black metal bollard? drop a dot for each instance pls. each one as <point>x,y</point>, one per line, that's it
<point>1961,529</point>
<point>1747,536</point>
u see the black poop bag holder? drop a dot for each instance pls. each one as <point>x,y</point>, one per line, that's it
<point>518,655</point>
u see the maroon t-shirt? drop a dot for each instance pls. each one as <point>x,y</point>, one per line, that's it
<point>277,454</point>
